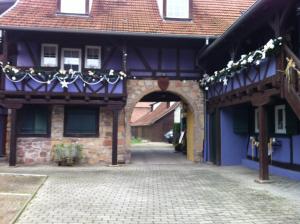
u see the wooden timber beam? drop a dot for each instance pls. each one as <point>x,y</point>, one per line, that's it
<point>263,144</point>
<point>13,134</point>
<point>13,138</point>
<point>266,88</point>
<point>261,101</point>
<point>115,136</point>
<point>111,103</point>
<point>240,99</point>
<point>32,57</point>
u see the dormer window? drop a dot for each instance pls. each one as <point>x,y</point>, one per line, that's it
<point>80,7</point>
<point>177,9</point>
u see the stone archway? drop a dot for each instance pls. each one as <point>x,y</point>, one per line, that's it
<point>188,91</point>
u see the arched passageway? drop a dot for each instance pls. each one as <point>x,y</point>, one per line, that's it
<point>186,91</point>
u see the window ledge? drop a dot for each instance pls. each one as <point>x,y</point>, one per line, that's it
<point>73,14</point>
<point>81,135</point>
<point>20,135</point>
<point>169,19</point>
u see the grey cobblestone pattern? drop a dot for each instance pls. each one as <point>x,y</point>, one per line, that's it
<point>182,193</point>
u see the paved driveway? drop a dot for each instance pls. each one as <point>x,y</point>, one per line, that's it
<point>160,191</point>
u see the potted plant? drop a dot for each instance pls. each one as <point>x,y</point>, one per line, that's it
<point>67,154</point>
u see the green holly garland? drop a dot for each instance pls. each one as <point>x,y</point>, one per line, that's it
<point>90,77</point>
<point>246,61</point>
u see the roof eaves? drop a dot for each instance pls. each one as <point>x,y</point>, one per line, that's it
<point>116,33</point>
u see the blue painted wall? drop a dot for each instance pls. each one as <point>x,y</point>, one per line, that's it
<point>280,153</point>
<point>273,170</point>
<point>296,144</point>
<point>233,145</point>
<point>206,140</point>
<point>239,81</point>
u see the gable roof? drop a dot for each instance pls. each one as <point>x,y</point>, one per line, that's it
<point>245,25</point>
<point>155,115</point>
<point>125,16</point>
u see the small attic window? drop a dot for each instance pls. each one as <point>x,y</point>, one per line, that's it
<point>80,7</point>
<point>177,9</point>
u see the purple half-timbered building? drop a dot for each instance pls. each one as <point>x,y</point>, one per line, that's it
<point>73,70</point>
<point>252,91</point>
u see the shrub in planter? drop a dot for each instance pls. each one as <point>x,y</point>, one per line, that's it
<point>67,154</point>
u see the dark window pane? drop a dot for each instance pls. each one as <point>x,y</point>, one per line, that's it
<point>280,119</point>
<point>75,67</point>
<point>81,121</point>
<point>33,120</point>
<point>67,67</point>
<point>93,53</point>
<point>67,54</point>
<point>50,52</point>
<point>75,54</point>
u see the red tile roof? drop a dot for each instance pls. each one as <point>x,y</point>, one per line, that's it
<point>155,115</point>
<point>210,17</point>
<point>143,104</point>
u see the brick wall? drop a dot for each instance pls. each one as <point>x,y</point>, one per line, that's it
<point>95,150</point>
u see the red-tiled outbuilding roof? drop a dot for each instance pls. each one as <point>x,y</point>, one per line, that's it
<point>210,17</point>
<point>155,115</point>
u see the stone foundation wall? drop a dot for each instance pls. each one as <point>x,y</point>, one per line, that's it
<point>95,150</point>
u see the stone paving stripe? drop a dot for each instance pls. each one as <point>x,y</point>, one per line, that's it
<point>14,194</point>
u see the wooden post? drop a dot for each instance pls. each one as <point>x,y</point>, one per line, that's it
<point>115,137</point>
<point>13,138</point>
<point>263,144</point>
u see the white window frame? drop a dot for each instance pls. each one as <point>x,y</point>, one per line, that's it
<point>42,54</point>
<point>85,58</point>
<point>168,16</point>
<point>256,121</point>
<point>283,130</point>
<point>66,10</point>
<point>71,49</point>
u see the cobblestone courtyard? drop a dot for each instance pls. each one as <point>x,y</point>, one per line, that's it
<point>169,190</point>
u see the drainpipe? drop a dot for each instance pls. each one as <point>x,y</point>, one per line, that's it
<point>208,41</point>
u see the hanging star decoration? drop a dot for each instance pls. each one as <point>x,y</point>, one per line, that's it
<point>65,78</point>
<point>64,84</point>
<point>254,58</point>
<point>225,81</point>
